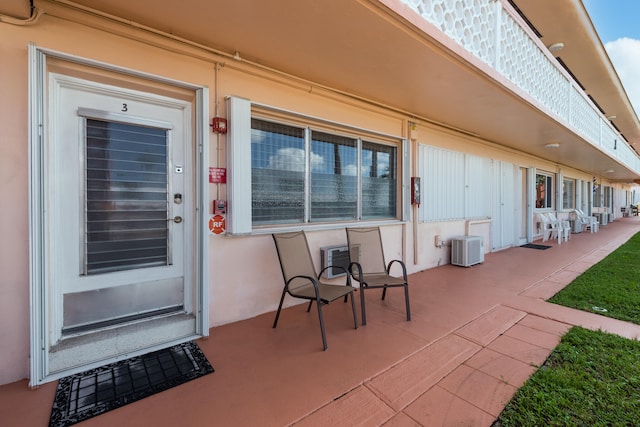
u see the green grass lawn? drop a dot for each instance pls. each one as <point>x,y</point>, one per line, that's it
<point>610,288</point>
<point>591,378</point>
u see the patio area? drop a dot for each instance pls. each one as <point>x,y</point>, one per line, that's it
<point>476,335</point>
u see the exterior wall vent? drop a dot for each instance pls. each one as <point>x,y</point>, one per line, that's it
<point>334,256</point>
<point>467,250</point>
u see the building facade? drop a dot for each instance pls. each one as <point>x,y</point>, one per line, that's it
<point>149,152</point>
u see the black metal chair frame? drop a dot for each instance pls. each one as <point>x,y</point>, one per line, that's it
<point>355,269</point>
<point>330,292</point>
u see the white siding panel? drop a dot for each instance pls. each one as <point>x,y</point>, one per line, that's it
<point>443,185</point>
<point>456,185</point>
<point>478,187</point>
<point>238,168</point>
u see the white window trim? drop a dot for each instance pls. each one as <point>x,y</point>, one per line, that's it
<point>573,196</point>
<point>554,184</point>
<point>239,112</point>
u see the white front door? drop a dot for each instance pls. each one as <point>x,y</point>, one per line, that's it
<point>121,222</point>
<point>504,205</point>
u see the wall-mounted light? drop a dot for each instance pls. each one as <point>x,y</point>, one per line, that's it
<point>552,145</point>
<point>611,117</point>
<point>609,171</point>
<point>556,47</point>
<point>413,130</point>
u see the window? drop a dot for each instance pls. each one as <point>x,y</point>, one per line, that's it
<point>568,193</point>
<point>300,174</point>
<point>125,197</point>
<point>544,191</point>
<point>597,195</point>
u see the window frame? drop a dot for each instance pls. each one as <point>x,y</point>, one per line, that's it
<point>571,197</point>
<point>550,179</point>
<point>241,111</point>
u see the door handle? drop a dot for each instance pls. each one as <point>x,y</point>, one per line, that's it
<point>177,219</point>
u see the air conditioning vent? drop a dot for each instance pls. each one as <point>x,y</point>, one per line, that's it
<point>334,256</point>
<point>467,250</point>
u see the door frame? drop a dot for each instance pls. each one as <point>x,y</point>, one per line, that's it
<point>39,281</point>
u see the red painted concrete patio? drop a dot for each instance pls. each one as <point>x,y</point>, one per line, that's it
<point>476,335</point>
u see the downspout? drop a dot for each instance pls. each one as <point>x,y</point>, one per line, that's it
<point>215,114</point>
<point>36,13</point>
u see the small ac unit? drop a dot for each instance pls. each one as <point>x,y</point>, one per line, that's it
<point>467,250</point>
<point>334,256</point>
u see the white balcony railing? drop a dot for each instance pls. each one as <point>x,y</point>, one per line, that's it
<point>489,32</point>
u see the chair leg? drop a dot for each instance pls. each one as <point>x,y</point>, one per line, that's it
<point>309,306</point>
<point>406,300</point>
<point>275,322</point>
<point>324,336</point>
<point>362,308</point>
<point>384,292</point>
<point>353,308</point>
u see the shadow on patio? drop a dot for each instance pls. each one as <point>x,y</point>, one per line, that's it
<point>476,335</point>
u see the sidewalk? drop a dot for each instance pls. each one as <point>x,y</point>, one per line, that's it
<point>476,335</point>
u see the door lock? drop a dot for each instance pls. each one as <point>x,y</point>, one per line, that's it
<point>177,219</point>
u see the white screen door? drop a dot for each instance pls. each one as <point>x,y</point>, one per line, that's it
<point>121,208</point>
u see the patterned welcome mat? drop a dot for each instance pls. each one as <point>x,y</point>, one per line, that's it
<point>534,246</point>
<point>87,394</point>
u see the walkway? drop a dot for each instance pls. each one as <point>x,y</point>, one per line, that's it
<point>476,335</point>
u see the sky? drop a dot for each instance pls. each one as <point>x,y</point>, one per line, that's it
<point>618,25</point>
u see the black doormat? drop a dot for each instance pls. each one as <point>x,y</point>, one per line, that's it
<point>534,246</point>
<point>94,392</point>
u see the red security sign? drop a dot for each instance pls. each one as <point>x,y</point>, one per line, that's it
<point>217,224</point>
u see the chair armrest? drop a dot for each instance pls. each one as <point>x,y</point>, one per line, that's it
<point>348,276</point>
<point>404,268</point>
<point>313,281</point>
<point>358,271</point>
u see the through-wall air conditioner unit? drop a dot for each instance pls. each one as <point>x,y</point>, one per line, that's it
<point>334,256</point>
<point>467,250</point>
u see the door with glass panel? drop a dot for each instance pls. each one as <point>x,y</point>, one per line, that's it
<point>121,212</point>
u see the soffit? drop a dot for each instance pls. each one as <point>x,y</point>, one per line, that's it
<point>586,57</point>
<point>371,51</point>
<point>19,9</point>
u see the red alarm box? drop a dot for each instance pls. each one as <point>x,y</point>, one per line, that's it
<point>218,125</point>
<point>219,207</point>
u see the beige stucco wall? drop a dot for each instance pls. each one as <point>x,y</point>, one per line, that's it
<point>14,246</point>
<point>244,279</point>
<point>244,275</point>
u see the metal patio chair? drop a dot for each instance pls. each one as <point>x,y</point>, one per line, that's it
<point>301,280</point>
<point>367,266</point>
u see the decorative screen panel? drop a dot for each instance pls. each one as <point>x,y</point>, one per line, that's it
<point>126,197</point>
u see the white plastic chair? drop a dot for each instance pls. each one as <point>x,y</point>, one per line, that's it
<point>564,227</point>
<point>590,223</point>
<point>549,228</point>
